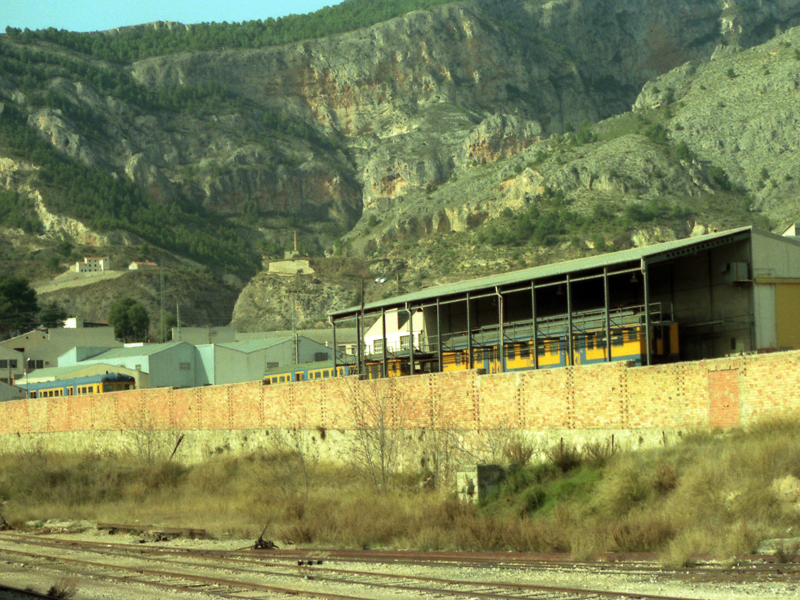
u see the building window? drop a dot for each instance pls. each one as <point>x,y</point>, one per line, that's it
<point>405,342</point>
<point>272,365</point>
<point>320,356</point>
<point>3,364</point>
<point>12,363</point>
<point>185,366</point>
<point>377,346</point>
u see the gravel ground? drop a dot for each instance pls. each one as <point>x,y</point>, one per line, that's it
<point>685,584</point>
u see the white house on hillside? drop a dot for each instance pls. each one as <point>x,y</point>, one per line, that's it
<point>141,266</point>
<point>93,264</point>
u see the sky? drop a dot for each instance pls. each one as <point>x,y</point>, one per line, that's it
<point>98,15</point>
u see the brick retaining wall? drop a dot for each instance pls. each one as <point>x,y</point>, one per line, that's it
<point>715,393</point>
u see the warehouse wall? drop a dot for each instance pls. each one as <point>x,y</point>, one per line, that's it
<point>590,402</point>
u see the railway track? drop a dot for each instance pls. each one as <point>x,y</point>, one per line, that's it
<point>245,573</point>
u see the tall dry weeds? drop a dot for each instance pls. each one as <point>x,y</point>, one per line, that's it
<point>712,493</point>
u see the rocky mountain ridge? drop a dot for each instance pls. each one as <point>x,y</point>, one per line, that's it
<point>378,142</point>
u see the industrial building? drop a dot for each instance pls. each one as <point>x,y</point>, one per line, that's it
<point>709,296</point>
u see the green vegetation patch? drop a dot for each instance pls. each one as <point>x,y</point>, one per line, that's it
<point>106,203</point>
<point>16,210</point>
<point>136,43</point>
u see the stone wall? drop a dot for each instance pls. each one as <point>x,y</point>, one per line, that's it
<point>637,406</point>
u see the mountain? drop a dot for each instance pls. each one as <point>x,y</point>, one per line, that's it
<point>462,139</point>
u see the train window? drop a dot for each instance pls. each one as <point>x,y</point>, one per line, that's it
<point>616,337</point>
<point>33,394</point>
<point>601,340</point>
<point>524,351</point>
<point>590,341</point>
<point>69,391</point>
<point>458,359</point>
<point>326,373</point>
<point>633,334</point>
<point>478,355</point>
<point>512,354</point>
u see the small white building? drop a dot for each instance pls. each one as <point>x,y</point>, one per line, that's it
<point>141,266</point>
<point>93,264</point>
<point>398,332</point>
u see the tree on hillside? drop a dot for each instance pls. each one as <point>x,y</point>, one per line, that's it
<point>18,306</point>
<point>129,320</point>
<point>52,315</point>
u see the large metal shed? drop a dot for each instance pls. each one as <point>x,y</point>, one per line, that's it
<point>731,292</point>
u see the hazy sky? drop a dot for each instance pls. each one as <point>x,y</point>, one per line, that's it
<point>97,15</point>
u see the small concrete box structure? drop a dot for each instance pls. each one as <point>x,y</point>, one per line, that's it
<point>477,482</point>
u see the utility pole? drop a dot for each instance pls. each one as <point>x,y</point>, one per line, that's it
<point>294,331</point>
<point>162,333</point>
<point>362,367</point>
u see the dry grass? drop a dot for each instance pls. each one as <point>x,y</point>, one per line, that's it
<point>712,493</point>
<point>65,588</point>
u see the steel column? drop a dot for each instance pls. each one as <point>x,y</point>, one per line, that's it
<point>646,284</point>
<point>571,358</point>
<point>410,339</point>
<point>471,359</point>
<point>608,314</point>
<point>333,322</point>
<point>359,349</point>
<point>501,343</point>
<point>439,336</point>
<point>535,335</point>
<point>384,365</point>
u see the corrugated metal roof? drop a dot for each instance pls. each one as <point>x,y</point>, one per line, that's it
<point>544,271</point>
<point>54,372</point>
<point>255,345</point>
<point>143,350</point>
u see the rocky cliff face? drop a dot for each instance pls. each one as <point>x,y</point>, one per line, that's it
<point>439,121</point>
<point>422,97</point>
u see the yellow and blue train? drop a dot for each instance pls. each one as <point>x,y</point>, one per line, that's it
<point>80,386</point>
<point>307,372</point>
<point>628,343</point>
